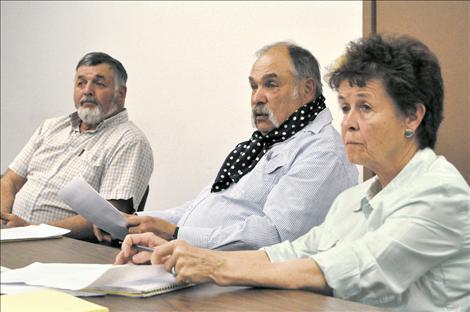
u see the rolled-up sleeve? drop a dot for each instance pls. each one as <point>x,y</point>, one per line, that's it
<point>128,170</point>
<point>303,247</point>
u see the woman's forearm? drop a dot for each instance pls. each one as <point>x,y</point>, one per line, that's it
<point>255,269</point>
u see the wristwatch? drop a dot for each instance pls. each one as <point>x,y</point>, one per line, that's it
<point>175,233</point>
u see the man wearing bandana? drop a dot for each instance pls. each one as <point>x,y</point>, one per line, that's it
<point>278,184</point>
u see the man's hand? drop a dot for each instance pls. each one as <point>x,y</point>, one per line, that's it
<point>130,254</point>
<point>12,220</point>
<point>142,224</point>
<point>101,235</point>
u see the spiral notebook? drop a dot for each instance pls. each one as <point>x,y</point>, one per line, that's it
<point>123,280</point>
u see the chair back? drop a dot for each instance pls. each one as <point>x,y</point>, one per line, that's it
<point>144,199</point>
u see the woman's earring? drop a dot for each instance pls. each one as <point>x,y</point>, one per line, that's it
<point>409,133</point>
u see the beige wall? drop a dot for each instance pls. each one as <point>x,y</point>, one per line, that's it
<point>188,66</point>
<point>444,26</point>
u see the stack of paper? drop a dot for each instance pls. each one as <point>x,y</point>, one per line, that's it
<point>47,300</point>
<point>124,280</point>
<point>30,232</point>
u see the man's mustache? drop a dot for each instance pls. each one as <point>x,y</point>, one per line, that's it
<point>260,109</point>
<point>88,100</point>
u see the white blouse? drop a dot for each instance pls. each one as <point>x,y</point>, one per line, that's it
<point>405,247</point>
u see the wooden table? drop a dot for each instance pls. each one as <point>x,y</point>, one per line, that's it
<point>208,297</point>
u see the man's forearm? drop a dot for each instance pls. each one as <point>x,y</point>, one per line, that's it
<point>8,196</point>
<point>10,184</point>
<point>79,227</point>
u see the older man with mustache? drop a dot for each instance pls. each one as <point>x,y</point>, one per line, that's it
<point>279,183</point>
<point>97,142</point>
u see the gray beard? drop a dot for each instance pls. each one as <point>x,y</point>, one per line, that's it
<point>93,116</point>
<point>90,116</point>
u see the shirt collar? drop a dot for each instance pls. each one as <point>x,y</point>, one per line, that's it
<point>119,118</point>
<point>374,191</point>
<point>411,169</point>
<point>323,119</point>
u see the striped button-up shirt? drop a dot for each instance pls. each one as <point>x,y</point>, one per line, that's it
<point>115,159</point>
<point>287,193</point>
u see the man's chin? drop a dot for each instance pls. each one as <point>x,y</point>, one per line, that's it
<point>264,127</point>
<point>90,116</point>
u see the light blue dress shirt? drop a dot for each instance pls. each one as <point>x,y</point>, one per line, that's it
<point>405,247</point>
<point>288,192</point>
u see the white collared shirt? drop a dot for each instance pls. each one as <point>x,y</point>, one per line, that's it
<point>115,159</point>
<point>405,247</point>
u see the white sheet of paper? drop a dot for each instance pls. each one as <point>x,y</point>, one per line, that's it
<point>56,275</point>
<point>17,288</point>
<point>84,200</point>
<point>134,277</point>
<point>30,232</point>
<point>72,276</point>
<point>10,289</point>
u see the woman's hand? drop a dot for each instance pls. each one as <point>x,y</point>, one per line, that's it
<point>191,264</point>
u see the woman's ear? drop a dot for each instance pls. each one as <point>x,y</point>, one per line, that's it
<point>413,121</point>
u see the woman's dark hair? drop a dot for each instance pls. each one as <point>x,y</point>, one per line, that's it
<point>409,71</point>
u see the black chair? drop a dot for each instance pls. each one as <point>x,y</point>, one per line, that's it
<point>144,199</point>
<point>117,242</point>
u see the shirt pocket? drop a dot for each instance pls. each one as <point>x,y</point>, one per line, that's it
<point>274,163</point>
<point>328,240</point>
<point>87,165</point>
<point>256,185</point>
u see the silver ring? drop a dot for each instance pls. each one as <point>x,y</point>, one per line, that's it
<point>173,271</point>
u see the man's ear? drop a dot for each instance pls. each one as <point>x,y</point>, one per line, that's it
<point>309,89</point>
<point>413,121</point>
<point>121,93</point>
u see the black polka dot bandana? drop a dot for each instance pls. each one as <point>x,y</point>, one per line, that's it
<point>246,155</point>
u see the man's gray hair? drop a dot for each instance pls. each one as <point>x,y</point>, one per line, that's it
<point>97,58</point>
<point>305,64</point>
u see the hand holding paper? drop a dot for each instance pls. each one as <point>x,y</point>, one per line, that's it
<point>84,200</point>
